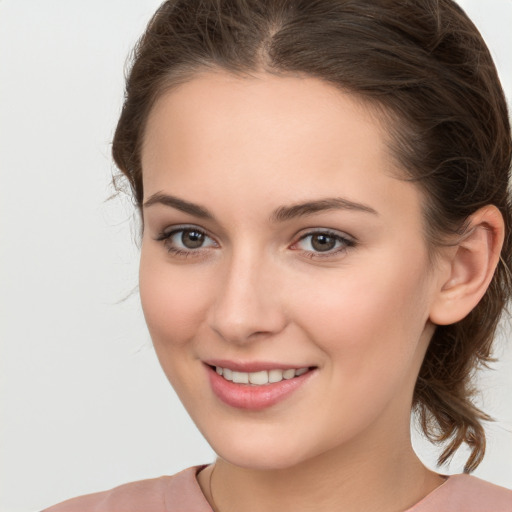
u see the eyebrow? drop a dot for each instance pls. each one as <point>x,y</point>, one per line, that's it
<point>281,214</point>
<point>285,213</point>
<point>178,204</point>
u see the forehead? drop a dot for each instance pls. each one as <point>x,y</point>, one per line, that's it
<point>276,138</point>
<point>213,105</point>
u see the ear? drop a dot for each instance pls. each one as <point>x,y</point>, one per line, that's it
<point>468,267</point>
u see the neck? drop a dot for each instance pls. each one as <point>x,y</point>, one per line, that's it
<point>387,477</point>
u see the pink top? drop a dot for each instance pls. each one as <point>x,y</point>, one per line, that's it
<point>181,493</point>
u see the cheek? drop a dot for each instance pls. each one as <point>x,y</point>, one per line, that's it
<point>174,300</point>
<point>368,319</point>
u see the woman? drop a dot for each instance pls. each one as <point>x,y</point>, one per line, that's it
<point>323,188</point>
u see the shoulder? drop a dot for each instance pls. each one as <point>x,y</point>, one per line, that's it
<point>465,493</point>
<point>176,493</point>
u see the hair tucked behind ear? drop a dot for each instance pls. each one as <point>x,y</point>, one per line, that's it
<point>421,62</point>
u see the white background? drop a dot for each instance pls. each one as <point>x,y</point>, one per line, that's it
<point>84,404</point>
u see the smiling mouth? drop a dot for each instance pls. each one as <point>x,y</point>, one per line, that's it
<point>263,386</point>
<point>260,378</point>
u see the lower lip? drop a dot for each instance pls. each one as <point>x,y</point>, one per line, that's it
<point>251,397</point>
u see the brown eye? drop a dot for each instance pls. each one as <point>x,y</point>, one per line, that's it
<point>192,239</point>
<point>186,241</point>
<point>322,242</point>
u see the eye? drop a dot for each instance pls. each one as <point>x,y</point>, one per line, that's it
<point>323,243</point>
<point>190,238</point>
<point>186,240</point>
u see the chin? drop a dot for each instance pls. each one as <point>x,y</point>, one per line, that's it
<point>259,461</point>
<point>257,453</point>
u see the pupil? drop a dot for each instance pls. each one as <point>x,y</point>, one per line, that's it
<point>323,243</point>
<point>192,239</point>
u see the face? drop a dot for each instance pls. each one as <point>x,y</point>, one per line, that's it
<point>281,250</point>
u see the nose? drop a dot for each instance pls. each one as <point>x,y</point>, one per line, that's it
<point>247,305</point>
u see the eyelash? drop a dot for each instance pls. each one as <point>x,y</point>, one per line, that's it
<point>166,236</point>
<point>345,241</point>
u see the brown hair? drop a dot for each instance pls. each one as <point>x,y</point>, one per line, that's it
<point>425,65</point>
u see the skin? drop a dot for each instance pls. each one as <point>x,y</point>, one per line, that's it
<point>256,290</point>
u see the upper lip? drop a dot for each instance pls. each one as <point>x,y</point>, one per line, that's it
<point>253,366</point>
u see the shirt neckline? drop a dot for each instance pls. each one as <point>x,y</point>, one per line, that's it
<point>447,478</point>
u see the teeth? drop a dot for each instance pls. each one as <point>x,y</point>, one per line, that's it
<point>241,377</point>
<point>289,374</point>
<point>260,378</point>
<point>275,376</point>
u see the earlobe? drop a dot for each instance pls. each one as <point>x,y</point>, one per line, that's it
<point>470,266</point>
